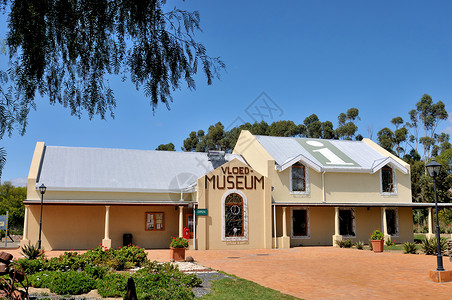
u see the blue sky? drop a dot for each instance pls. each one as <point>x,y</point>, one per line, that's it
<point>319,57</point>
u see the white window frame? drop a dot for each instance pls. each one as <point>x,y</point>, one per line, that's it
<point>245,217</point>
<point>394,182</point>
<point>353,221</point>
<point>396,212</point>
<point>306,179</point>
<point>308,221</point>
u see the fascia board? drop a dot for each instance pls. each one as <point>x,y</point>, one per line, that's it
<point>301,158</point>
<point>392,162</point>
<point>108,202</point>
<point>125,190</point>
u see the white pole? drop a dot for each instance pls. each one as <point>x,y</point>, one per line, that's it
<point>274,222</point>
<point>25,236</point>
<point>107,222</point>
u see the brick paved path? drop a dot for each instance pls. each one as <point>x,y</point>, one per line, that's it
<point>333,273</point>
<point>325,272</point>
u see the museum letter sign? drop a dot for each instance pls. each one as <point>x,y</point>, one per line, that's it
<point>240,178</point>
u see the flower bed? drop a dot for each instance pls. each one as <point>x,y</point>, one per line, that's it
<point>74,274</point>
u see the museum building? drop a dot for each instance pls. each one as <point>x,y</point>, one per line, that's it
<point>271,192</point>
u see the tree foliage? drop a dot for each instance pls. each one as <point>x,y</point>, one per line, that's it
<point>217,138</point>
<point>65,50</point>
<point>11,199</point>
<point>166,147</point>
<point>347,124</point>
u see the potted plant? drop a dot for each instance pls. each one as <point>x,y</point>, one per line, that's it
<point>177,248</point>
<point>377,239</point>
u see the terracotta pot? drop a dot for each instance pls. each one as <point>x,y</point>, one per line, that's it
<point>178,254</point>
<point>378,245</point>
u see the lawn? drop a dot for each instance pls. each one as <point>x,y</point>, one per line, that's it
<point>238,288</point>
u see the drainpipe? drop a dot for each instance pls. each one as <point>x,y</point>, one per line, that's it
<point>323,187</point>
<point>274,222</point>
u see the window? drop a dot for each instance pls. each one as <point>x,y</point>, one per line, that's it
<point>298,182</point>
<point>387,180</point>
<point>300,223</point>
<point>392,221</point>
<point>155,221</point>
<point>347,222</point>
<point>233,215</point>
<point>235,224</point>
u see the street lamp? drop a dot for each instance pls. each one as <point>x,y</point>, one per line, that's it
<point>42,189</point>
<point>433,169</point>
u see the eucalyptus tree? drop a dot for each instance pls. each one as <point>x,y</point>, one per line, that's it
<point>430,115</point>
<point>166,147</point>
<point>347,127</point>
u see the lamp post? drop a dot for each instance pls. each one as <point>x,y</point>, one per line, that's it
<point>433,169</point>
<point>42,189</point>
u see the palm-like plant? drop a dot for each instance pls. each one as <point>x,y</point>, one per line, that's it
<point>31,251</point>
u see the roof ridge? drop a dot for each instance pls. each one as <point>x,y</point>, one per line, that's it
<point>306,138</point>
<point>127,149</point>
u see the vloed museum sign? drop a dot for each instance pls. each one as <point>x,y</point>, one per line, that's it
<point>239,178</point>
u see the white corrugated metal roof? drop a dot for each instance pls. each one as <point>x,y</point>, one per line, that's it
<point>98,169</point>
<point>352,156</point>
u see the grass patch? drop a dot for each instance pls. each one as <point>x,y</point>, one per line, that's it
<point>394,247</point>
<point>242,289</point>
<point>418,237</point>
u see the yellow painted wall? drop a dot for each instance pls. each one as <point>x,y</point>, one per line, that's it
<point>339,187</point>
<point>253,152</point>
<point>210,230</point>
<point>82,227</point>
<point>367,220</point>
<point>33,174</point>
<point>405,225</point>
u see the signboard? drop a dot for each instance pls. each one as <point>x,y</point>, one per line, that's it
<point>3,222</point>
<point>240,178</point>
<point>201,212</point>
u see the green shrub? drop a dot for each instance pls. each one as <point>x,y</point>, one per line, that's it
<point>345,244</point>
<point>120,259</point>
<point>430,246</point>
<point>389,243</point>
<point>65,262</point>
<point>98,256</point>
<point>164,281</point>
<point>117,263</point>
<point>449,229</point>
<point>31,266</point>
<point>377,235</point>
<point>178,242</point>
<point>41,279</point>
<point>96,272</point>
<point>424,229</point>
<point>133,254</point>
<point>409,248</point>
<point>113,285</point>
<point>31,251</point>
<point>360,245</point>
<point>72,283</point>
